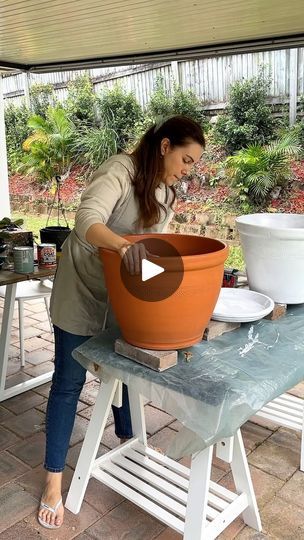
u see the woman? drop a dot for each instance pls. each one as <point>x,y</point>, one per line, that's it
<point>127,194</point>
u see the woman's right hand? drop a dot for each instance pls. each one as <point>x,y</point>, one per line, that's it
<point>132,255</point>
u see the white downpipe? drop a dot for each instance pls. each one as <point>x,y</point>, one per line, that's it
<point>5,210</point>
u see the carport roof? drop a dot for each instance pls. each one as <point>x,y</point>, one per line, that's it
<point>48,35</point>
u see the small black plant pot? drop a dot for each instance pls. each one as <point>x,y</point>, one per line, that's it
<point>54,235</point>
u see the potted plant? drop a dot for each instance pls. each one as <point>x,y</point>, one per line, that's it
<point>49,159</point>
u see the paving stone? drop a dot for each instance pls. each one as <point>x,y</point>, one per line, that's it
<point>23,402</point>
<point>162,439</point>
<point>17,378</point>
<point>169,534</point>
<point>250,534</point>
<point>31,331</point>
<point>15,504</point>
<point>27,321</point>
<point>293,489</point>
<point>253,435</point>
<point>216,473</point>
<point>156,419</point>
<point>39,356</point>
<point>33,480</point>
<point>43,406</point>
<point>34,343</point>
<point>283,520</point>
<point>126,521</point>
<point>31,450</point>
<point>14,365</point>
<point>7,439</point>
<point>79,430</point>
<point>73,454</point>
<point>26,424</point>
<point>44,326</point>
<point>220,464</point>
<point>297,390</point>
<point>43,389</point>
<point>26,313</point>
<point>101,497</point>
<point>109,438</point>
<point>40,369</point>
<point>48,337</point>
<point>276,460</point>
<point>90,377</point>
<point>40,316</point>
<point>10,468</point>
<point>73,524</point>
<point>287,438</point>
<point>232,530</point>
<point>265,485</point>
<point>264,422</point>
<point>176,425</point>
<point>36,308</point>
<point>86,412</point>
<point>4,414</point>
<point>89,392</point>
<point>22,530</point>
<point>13,352</point>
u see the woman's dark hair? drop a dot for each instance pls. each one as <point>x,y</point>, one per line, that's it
<point>148,164</point>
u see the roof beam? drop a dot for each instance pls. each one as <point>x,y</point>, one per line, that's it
<point>222,49</point>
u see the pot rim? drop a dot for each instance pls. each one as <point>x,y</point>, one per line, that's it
<point>241,220</point>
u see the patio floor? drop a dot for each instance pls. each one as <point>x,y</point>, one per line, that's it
<point>273,455</point>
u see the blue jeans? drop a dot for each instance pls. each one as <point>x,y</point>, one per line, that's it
<point>68,380</point>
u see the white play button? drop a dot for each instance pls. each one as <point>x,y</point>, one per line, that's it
<point>150,270</point>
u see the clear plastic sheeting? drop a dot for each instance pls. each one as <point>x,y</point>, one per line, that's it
<point>218,386</point>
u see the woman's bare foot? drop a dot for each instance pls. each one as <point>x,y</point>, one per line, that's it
<point>51,496</point>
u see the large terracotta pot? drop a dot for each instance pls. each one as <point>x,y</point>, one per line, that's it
<point>179,320</point>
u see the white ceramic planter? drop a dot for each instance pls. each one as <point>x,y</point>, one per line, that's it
<point>273,246</point>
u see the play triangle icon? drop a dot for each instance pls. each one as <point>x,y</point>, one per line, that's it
<point>150,270</point>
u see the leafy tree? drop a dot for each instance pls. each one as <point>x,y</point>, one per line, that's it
<point>160,103</point>
<point>81,101</point>
<point>248,118</point>
<point>17,131</point>
<point>120,110</point>
<point>49,147</point>
<point>42,96</point>
<point>164,103</point>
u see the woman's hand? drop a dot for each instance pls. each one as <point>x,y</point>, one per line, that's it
<point>132,255</point>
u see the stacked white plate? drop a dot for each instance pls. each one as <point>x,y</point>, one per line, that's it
<point>241,305</point>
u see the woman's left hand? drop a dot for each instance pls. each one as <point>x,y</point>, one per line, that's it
<point>132,256</point>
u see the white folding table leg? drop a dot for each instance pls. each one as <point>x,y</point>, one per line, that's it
<point>243,483</point>
<point>90,445</point>
<point>21,330</point>
<point>137,415</point>
<point>47,307</point>
<point>195,523</point>
<point>5,336</point>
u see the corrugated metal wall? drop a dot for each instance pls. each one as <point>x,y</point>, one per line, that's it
<point>209,78</point>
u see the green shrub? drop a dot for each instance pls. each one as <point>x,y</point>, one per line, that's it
<point>81,101</point>
<point>185,102</point>
<point>42,96</point>
<point>160,103</point>
<point>94,146</point>
<point>17,131</point>
<point>120,110</point>
<point>49,149</point>
<point>248,118</point>
<point>257,170</point>
<point>163,103</point>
